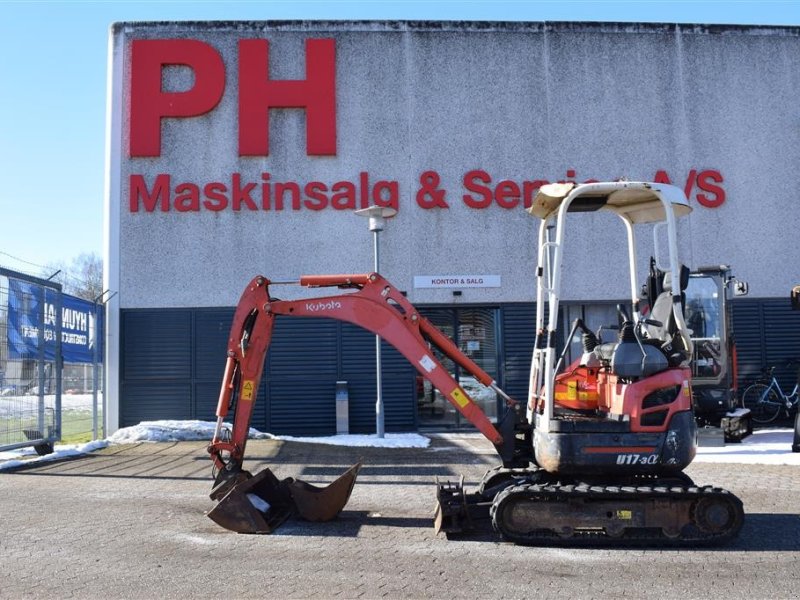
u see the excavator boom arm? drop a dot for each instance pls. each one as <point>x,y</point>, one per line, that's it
<point>375,305</point>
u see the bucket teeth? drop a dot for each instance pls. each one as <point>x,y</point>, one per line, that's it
<point>261,503</point>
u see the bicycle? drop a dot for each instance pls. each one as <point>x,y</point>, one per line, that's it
<point>766,399</point>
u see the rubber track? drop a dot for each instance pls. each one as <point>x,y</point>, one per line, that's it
<point>553,492</point>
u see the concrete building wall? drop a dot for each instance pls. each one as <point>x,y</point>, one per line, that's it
<point>462,120</point>
<point>520,102</point>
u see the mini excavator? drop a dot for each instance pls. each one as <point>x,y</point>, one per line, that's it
<point>597,453</point>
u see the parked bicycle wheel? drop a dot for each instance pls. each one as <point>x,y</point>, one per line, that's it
<point>763,403</point>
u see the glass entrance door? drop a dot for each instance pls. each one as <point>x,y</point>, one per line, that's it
<point>474,331</point>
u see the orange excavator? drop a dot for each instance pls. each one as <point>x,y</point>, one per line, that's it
<point>596,455</point>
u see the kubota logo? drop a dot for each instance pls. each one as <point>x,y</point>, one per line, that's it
<point>318,306</point>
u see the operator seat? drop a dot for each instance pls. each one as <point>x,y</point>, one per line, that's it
<point>665,334</point>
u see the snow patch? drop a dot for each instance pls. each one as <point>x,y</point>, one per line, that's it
<point>61,452</point>
<point>763,447</point>
<point>390,440</point>
<point>173,431</point>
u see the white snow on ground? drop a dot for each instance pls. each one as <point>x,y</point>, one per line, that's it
<point>189,431</point>
<point>173,431</point>
<point>765,447</point>
<point>17,458</point>
<point>390,440</point>
<point>177,431</point>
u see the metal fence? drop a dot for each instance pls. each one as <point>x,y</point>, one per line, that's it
<point>50,365</point>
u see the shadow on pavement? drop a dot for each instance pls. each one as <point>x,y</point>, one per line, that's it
<point>764,531</point>
<point>349,524</point>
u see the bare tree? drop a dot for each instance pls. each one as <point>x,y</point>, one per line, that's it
<point>83,277</point>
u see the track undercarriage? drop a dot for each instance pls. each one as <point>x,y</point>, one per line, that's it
<point>533,507</point>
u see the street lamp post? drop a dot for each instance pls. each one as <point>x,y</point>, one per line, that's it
<point>377,221</point>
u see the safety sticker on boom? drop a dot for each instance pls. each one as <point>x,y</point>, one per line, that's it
<point>459,397</point>
<point>247,389</point>
<point>427,363</point>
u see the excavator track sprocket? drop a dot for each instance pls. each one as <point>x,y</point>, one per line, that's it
<point>646,515</point>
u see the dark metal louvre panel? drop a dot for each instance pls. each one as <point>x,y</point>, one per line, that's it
<point>301,376</point>
<point>154,400</point>
<point>301,405</point>
<point>358,369</point>
<point>767,333</point>
<point>156,344</point>
<point>206,396</point>
<point>303,345</point>
<point>212,328</point>
<point>782,330</point>
<point>400,400</point>
<point>782,339</point>
<point>519,334</point>
<point>748,330</point>
<point>155,365</point>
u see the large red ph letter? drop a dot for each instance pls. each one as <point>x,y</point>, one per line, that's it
<point>150,104</point>
<point>316,94</point>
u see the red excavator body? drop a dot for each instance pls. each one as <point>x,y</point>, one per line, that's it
<point>597,453</point>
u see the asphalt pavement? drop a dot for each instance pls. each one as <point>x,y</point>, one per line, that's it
<point>128,522</point>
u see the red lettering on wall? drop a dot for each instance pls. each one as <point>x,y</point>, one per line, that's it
<point>138,192</point>
<point>473,181</point>
<point>506,194</point>
<point>216,199</point>
<point>258,94</point>
<point>706,181</point>
<point>690,179</point>
<point>662,177</point>
<point>150,104</point>
<point>187,197</point>
<point>241,195</point>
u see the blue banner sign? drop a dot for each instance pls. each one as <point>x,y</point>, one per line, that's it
<point>80,324</point>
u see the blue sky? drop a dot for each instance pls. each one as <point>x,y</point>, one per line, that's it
<point>53,87</point>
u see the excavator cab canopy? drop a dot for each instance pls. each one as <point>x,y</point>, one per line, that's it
<point>638,203</point>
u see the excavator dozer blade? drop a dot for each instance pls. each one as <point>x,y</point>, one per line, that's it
<point>323,504</point>
<point>258,504</point>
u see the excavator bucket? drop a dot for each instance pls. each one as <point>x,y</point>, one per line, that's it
<point>261,503</point>
<point>252,504</point>
<point>323,504</point>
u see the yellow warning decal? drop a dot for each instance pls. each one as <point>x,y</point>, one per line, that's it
<point>625,515</point>
<point>247,389</point>
<point>459,397</point>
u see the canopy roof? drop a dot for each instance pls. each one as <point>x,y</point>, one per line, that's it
<point>637,201</point>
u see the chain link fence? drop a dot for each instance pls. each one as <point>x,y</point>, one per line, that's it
<point>50,365</point>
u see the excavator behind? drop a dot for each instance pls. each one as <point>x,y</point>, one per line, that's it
<point>597,453</point>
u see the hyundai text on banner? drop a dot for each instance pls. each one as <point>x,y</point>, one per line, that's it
<point>78,324</point>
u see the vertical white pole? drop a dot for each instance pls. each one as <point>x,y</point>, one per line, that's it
<point>379,420</point>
